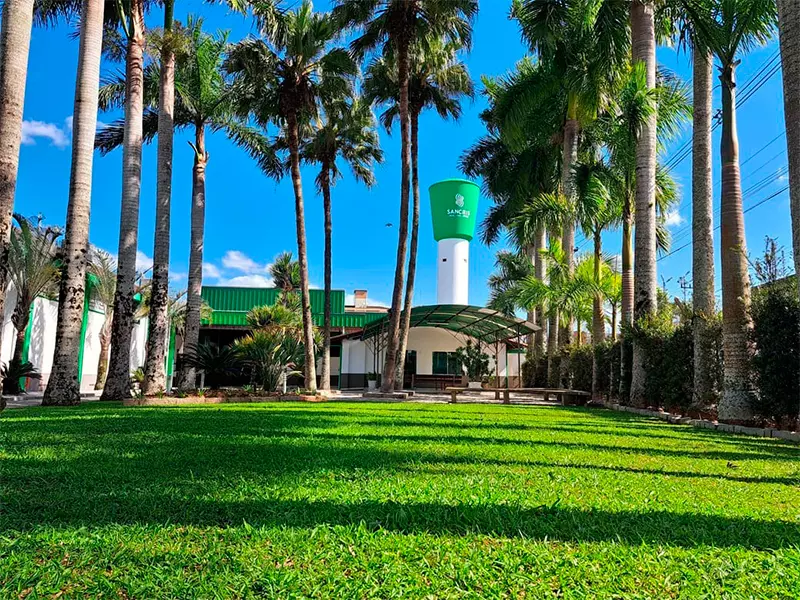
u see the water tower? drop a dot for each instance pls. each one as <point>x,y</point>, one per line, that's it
<point>454,208</point>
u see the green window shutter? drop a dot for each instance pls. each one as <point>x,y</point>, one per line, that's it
<point>440,363</point>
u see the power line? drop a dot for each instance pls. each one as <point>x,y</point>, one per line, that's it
<point>747,210</point>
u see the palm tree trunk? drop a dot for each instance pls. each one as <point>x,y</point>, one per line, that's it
<point>412,254</point>
<point>194,293</point>
<point>20,320</point>
<point>789,28</point>
<point>155,374</point>
<point>118,384</point>
<point>325,368</point>
<point>102,360</point>
<point>569,158</point>
<point>598,318</point>
<point>552,350</point>
<point>643,39</point>
<point>614,322</point>
<point>626,308</point>
<point>703,304</point>
<point>63,386</point>
<point>15,38</point>
<point>302,253</point>
<point>393,334</point>
<point>737,395</point>
<point>539,270</point>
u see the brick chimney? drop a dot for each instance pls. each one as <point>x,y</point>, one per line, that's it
<point>360,298</point>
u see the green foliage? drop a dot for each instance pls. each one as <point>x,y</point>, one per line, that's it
<point>474,360</point>
<point>276,317</point>
<point>580,364</point>
<point>218,362</point>
<point>13,372</point>
<point>776,363</point>
<point>270,354</point>
<point>391,500</point>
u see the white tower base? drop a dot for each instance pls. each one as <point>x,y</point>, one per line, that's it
<point>452,285</point>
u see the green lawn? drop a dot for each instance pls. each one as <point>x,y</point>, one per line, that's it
<point>390,500</point>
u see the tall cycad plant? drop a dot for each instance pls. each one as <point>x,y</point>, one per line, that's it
<point>282,77</point>
<point>437,80</point>
<point>394,26</point>
<point>346,131</point>
<point>730,28</point>
<point>33,268</point>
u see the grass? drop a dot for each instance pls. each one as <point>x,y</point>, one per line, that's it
<point>388,501</point>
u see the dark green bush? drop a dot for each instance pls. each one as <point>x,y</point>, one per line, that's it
<point>776,335</point>
<point>580,366</point>
<point>607,356</point>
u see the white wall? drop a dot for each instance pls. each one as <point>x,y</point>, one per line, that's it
<point>357,355</point>
<point>43,334</point>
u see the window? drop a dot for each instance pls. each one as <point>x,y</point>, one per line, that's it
<point>446,363</point>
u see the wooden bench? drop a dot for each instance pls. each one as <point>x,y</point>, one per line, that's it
<point>436,382</point>
<point>560,393</point>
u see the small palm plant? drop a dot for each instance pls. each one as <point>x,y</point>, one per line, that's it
<point>33,268</point>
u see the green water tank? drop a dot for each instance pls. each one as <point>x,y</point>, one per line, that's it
<point>454,209</point>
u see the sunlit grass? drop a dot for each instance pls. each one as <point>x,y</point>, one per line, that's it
<point>400,500</point>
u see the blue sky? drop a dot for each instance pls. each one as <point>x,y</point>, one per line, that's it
<point>250,219</point>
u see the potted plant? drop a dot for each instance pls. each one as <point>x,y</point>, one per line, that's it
<point>475,362</point>
<point>372,380</point>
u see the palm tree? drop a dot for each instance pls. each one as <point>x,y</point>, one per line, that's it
<point>395,25</point>
<point>619,130</point>
<point>203,101</point>
<point>155,373</point>
<point>118,385</point>
<point>347,131</point>
<point>285,273</point>
<point>15,38</point>
<point>282,77</point>
<point>789,26</point>
<point>437,79</point>
<point>63,386</point>
<point>514,173</point>
<point>33,268</point>
<point>729,28</point>
<point>643,42</point>
<point>104,269</point>
<point>583,47</point>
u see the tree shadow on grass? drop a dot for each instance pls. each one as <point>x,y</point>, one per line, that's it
<point>195,466</point>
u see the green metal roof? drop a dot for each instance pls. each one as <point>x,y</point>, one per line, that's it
<point>230,306</point>
<point>243,299</point>
<point>484,324</point>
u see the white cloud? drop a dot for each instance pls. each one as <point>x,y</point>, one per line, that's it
<point>39,129</point>
<point>239,261</point>
<point>211,271</point>
<point>178,276</point>
<point>350,300</point>
<point>143,262</point>
<point>673,218</point>
<point>254,281</point>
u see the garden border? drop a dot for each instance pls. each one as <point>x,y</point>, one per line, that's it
<point>196,400</point>
<point>766,432</point>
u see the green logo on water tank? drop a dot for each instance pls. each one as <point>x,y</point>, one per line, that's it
<point>454,208</point>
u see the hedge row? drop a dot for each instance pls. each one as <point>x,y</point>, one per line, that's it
<point>669,359</point>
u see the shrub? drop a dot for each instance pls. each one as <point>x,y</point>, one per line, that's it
<point>607,354</point>
<point>217,362</point>
<point>271,354</point>
<point>776,334</point>
<point>13,372</point>
<point>474,360</point>
<point>580,358</point>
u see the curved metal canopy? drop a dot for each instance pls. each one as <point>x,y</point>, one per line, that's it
<point>484,324</point>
